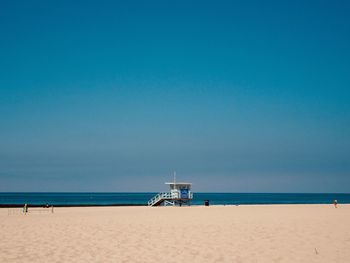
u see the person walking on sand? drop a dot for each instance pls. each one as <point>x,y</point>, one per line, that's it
<point>25,209</point>
<point>335,203</point>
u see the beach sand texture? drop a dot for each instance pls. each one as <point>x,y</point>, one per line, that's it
<point>268,233</point>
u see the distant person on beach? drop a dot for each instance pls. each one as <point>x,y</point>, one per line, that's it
<point>335,203</point>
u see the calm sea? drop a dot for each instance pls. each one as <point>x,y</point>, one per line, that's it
<point>142,198</point>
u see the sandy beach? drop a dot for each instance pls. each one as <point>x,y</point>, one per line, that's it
<point>269,233</point>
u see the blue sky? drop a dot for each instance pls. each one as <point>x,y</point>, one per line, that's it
<point>236,96</point>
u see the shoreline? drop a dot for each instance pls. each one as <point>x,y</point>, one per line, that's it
<point>72,205</point>
<point>145,205</point>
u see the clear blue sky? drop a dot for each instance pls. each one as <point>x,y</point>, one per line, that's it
<point>236,96</point>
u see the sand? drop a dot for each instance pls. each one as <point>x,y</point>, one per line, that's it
<point>271,233</point>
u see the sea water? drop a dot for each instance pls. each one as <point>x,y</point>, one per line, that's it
<point>72,199</point>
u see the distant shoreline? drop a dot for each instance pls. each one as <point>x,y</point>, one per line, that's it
<point>142,205</point>
<point>62,205</point>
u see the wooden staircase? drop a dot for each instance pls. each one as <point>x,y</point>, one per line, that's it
<point>160,198</point>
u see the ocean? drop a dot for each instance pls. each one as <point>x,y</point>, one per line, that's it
<point>104,199</point>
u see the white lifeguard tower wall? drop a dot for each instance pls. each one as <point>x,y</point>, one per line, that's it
<point>180,190</point>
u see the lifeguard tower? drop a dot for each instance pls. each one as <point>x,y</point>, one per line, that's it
<point>180,194</point>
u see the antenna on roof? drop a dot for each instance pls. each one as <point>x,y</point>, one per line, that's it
<point>174,177</point>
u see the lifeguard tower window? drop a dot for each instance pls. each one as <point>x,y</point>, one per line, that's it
<point>184,193</point>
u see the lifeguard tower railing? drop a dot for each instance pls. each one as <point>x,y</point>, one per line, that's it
<point>159,198</point>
